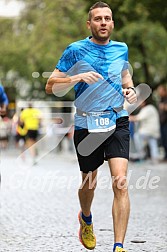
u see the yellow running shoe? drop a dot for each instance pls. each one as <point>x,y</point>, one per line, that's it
<point>118,249</point>
<point>86,235</point>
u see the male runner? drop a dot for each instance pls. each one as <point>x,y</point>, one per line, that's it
<point>97,67</point>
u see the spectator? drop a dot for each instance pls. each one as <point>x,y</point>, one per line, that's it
<point>162,92</point>
<point>5,130</point>
<point>148,131</point>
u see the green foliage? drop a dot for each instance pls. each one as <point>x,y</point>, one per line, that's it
<point>35,41</point>
<point>38,38</point>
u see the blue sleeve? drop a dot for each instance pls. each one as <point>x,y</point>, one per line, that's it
<point>3,96</point>
<point>126,63</point>
<point>126,55</point>
<point>67,60</point>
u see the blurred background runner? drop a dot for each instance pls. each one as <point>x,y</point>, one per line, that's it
<point>31,118</point>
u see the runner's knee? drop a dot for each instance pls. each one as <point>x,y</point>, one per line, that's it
<point>120,185</point>
<point>89,183</point>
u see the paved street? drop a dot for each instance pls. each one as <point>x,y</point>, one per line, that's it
<point>39,206</point>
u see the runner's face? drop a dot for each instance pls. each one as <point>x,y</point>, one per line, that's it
<point>101,25</point>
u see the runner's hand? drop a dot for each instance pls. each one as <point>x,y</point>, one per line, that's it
<point>130,95</point>
<point>90,77</point>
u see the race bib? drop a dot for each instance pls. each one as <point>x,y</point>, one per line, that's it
<point>101,121</point>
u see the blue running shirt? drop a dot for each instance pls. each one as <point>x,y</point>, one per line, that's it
<point>109,61</point>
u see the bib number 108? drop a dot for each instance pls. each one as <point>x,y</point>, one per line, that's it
<point>102,121</point>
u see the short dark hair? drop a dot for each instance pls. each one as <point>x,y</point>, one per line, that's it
<point>97,5</point>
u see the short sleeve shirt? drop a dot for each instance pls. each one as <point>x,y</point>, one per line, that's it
<point>109,61</point>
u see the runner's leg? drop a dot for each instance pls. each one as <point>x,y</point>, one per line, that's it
<point>121,203</point>
<point>86,191</point>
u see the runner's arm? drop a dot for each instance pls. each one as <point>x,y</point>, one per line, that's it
<point>128,88</point>
<point>127,79</point>
<point>60,81</point>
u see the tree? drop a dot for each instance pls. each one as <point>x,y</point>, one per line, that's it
<point>39,36</point>
<point>32,43</point>
<point>52,25</point>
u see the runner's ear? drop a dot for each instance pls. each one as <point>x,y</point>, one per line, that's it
<point>88,25</point>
